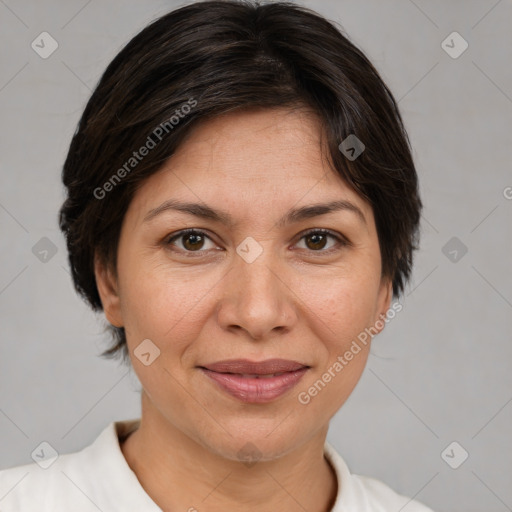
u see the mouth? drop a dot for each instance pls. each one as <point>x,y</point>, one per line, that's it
<point>255,382</point>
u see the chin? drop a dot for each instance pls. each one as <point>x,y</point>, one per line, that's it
<point>251,442</point>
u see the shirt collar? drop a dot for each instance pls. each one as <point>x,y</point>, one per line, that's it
<point>105,455</point>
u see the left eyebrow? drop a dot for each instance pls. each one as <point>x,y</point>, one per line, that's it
<point>314,210</point>
<point>294,215</point>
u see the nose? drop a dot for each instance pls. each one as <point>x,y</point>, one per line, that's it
<point>256,298</point>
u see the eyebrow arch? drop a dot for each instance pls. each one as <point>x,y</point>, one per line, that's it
<point>294,215</point>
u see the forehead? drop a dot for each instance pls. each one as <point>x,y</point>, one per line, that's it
<point>256,143</point>
<point>265,157</point>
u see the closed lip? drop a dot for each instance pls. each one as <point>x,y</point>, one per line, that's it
<point>245,366</point>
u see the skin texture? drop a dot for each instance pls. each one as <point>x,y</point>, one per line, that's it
<point>302,298</point>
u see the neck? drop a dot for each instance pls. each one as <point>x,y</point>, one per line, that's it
<point>180,474</point>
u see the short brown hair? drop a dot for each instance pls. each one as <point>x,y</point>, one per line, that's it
<point>222,56</point>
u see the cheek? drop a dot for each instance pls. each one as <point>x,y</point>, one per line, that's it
<point>342,312</point>
<point>341,308</point>
<point>164,304</point>
<point>345,303</point>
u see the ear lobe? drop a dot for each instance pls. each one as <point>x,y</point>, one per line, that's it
<point>107,286</point>
<point>383,303</point>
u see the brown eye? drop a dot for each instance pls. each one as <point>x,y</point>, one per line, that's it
<point>317,240</point>
<point>192,240</point>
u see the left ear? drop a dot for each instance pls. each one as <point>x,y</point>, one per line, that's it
<point>383,302</point>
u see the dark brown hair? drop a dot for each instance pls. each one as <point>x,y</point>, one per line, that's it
<point>214,57</point>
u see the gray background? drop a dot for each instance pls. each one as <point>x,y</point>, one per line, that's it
<point>440,372</point>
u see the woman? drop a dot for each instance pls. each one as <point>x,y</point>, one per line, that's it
<point>243,206</point>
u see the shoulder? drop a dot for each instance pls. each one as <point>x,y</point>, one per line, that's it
<point>366,494</point>
<point>94,478</point>
<point>31,487</point>
<point>382,498</point>
<point>53,481</point>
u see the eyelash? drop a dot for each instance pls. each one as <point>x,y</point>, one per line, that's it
<point>342,241</point>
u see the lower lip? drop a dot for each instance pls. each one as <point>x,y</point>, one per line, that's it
<point>252,390</point>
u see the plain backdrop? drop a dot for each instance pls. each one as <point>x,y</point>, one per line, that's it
<point>441,370</point>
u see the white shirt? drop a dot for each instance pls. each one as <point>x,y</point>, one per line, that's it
<point>98,478</point>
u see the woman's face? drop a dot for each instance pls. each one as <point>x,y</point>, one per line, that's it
<point>264,284</point>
